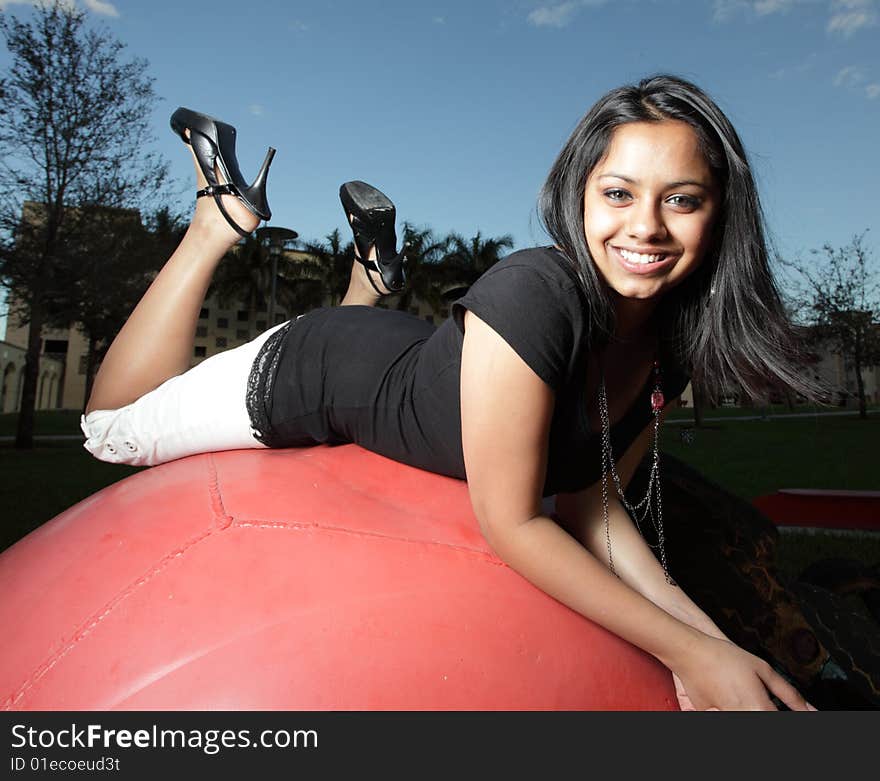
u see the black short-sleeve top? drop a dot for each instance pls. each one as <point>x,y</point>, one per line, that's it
<point>390,382</point>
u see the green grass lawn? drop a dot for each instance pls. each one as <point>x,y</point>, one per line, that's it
<point>36,485</point>
<point>61,421</point>
<point>687,413</point>
<point>748,458</point>
<point>752,458</point>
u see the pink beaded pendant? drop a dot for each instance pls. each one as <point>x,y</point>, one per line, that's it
<point>657,401</point>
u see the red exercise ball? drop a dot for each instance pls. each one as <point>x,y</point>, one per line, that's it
<point>317,578</point>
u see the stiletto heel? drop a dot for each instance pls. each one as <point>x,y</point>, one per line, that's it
<point>371,215</point>
<point>213,143</point>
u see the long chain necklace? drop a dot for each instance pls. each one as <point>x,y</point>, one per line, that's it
<point>646,507</point>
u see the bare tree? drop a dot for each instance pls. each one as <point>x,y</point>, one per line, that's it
<point>73,139</point>
<point>839,298</point>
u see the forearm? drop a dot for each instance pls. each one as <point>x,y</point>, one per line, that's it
<point>546,555</point>
<point>639,568</point>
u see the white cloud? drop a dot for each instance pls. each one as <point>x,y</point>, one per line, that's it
<point>553,15</point>
<point>4,3</point>
<point>256,109</point>
<point>298,26</point>
<point>439,20</point>
<point>849,23</point>
<point>850,76</point>
<point>96,6</point>
<point>853,77</point>
<point>766,7</point>
<point>560,14</point>
<point>850,16</point>
<point>796,69</point>
<point>101,7</point>
<point>846,17</point>
<point>723,10</point>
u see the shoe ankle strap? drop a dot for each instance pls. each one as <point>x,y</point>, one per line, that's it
<point>218,189</point>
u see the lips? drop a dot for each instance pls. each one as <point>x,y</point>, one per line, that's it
<point>642,262</point>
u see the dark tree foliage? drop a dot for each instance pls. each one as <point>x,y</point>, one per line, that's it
<point>839,298</point>
<point>115,263</point>
<point>470,258</point>
<point>74,143</point>
<point>324,276</point>
<point>425,274</point>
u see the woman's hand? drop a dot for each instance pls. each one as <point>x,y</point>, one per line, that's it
<point>715,674</point>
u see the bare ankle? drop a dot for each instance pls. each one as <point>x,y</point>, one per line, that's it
<point>209,225</point>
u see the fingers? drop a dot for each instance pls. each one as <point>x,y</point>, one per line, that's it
<point>783,689</point>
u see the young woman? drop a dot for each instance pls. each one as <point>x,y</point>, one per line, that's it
<point>550,373</point>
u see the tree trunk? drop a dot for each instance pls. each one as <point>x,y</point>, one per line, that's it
<point>91,370</point>
<point>860,384</point>
<point>698,406</point>
<point>24,434</point>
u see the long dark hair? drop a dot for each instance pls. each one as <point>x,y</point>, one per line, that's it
<point>725,324</point>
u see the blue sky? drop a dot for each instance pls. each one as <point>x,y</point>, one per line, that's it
<point>457,109</point>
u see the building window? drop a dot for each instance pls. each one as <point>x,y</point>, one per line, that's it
<point>201,330</point>
<point>55,346</point>
<point>83,360</point>
<point>261,325</point>
<point>242,333</point>
<point>203,313</point>
<point>243,316</point>
<point>221,341</point>
<point>223,322</point>
<point>199,351</point>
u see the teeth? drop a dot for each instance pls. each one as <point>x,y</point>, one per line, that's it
<point>636,257</point>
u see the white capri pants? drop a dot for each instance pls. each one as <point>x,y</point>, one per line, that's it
<point>202,410</point>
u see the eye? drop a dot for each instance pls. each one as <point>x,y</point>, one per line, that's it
<point>616,194</point>
<point>685,202</point>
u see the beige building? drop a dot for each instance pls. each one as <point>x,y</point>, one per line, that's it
<point>63,363</point>
<point>49,387</point>
<point>219,328</point>
<point>839,372</point>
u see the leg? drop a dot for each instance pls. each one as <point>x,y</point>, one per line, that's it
<point>371,215</point>
<point>202,410</point>
<point>360,292</point>
<point>146,408</point>
<point>156,342</point>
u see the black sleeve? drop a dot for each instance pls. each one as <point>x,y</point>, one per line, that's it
<point>536,310</point>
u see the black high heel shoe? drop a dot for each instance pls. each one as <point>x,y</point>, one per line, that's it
<point>214,145</point>
<point>371,216</point>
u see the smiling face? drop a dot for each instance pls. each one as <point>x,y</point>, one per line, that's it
<point>649,209</point>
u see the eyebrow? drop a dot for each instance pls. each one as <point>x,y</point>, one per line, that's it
<point>679,183</point>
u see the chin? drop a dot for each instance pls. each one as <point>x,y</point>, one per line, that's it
<point>637,293</point>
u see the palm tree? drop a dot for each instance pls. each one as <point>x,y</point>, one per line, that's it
<point>470,258</point>
<point>425,274</point>
<point>245,275</point>
<point>325,274</point>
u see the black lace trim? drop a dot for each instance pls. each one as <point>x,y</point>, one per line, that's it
<point>261,380</point>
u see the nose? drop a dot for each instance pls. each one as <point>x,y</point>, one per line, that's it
<point>646,222</point>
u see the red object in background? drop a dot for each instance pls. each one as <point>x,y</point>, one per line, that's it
<point>320,578</point>
<point>822,509</point>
